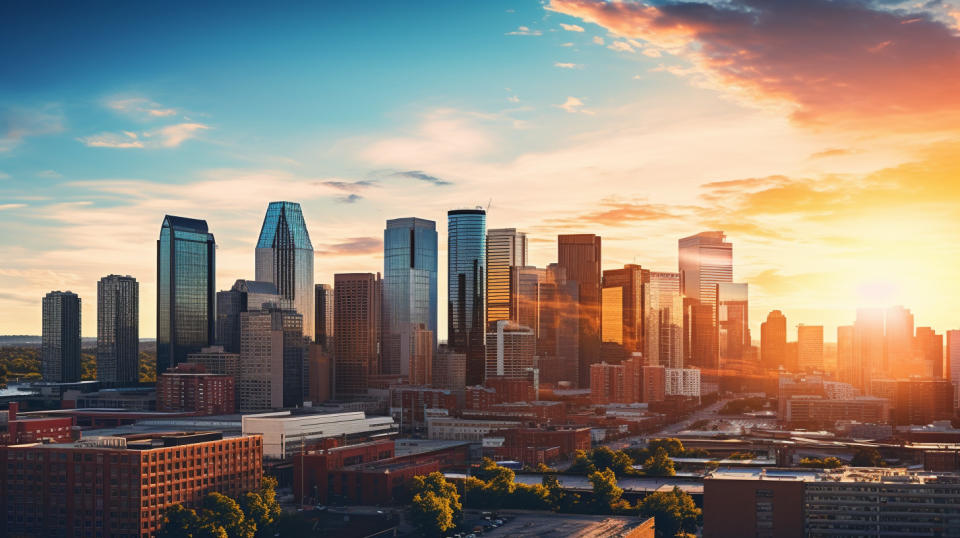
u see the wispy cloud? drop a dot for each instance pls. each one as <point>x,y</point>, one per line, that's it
<point>350,198</point>
<point>348,186</point>
<point>352,246</point>
<point>524,30</point>
<point>598,40</point>
<point>571,27</point>
<point>17,123</point>
<point>567,65</point>
<point>170,136</point>
<point>621,46</point>
<point>140,107</point>
<point>11,206</point>
<point>573,105</point>
<point>422,176</point>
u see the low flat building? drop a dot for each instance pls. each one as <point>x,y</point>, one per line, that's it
<point>286,433</point>
<point>818,411</point>
<point>460,429</point>
<point>190,388</point>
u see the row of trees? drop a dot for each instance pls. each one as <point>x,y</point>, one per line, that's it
<point>255,514</point>
<point>23,362</point>
<point>436,507</point>
<point>655,458</point>
<point>864,457</point>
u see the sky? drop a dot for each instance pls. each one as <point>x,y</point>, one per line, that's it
<point>822,136</point>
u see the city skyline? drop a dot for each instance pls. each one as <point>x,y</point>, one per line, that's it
<point>829,210</point>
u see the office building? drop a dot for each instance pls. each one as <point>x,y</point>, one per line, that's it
<point>953,362</point>
<point>846,368</point>
<point>356,319</point>
<point>898,340</point>
<point>607,383</point>
<point>682,382</point>
<point>409,290</point>
<point>580,257</point>
<point>122,485</point>
<point>506,249</point>
<point>558,347</point>
<point>244,296</point>
<point>654,388</point>
<point>420,369</point>
<point>189,388</point>
<point>466,287</point>
<point>284,257</point>
<point>525,296</point>
<point>819,411</point>
<point>323,316</point>
<point>622,297</point>
<point>510,351</point>
<point>773,342</point>
<point>869,359</point>
<point>449,370</point>
<point>928,350</point>
<point>60,341</point>
<point>663,320</point>
<point>320,384</point>
<point>922,401</point>
<point>810,347</point>
<point>118,330</point>
<point>272,357</point>
<point>286,433</point>
<point>733,323</point>
<point>705,260</point>
<point>186,285</point>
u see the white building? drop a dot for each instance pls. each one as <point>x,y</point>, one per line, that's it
<point>286,433</point>
<point>459,429</point>
<point>683,382</point>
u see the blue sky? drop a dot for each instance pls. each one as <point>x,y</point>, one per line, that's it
<point>567,115</point>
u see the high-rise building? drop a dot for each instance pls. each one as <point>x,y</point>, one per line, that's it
<point>244,296</point>
<point>705,260</point>
<point>284,256</point>
<point>186,285</point>
<point>773,341</point>
<point>733,323</point>
<point>510,350</point>
<point>898,339</point>
<point>623,298</point>
<point>421,359</point>
<point>525,296</point>
<point>663,320</point>
<point>409,290</point>
<point>580,256</point>
<point>846,370</point>
<point>810,347</point>
<point>60,342</point>
<point>953,362</point>
<point>466,287</point>
<point>506,249</point>
<point>868,340</point>
<point>272,357</point>
<point>929,352</point>
<point>607,383</point>
<point>356,320</point>
<point>559,321</point>
<point>323,316</point>
<point>449,370</point>
<point>118,330</point>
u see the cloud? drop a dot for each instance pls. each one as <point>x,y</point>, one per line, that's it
<point>598,40</point>
<point>4,176</point>
<point>170,136</point>
<point>4,207</point>
<point>349,186</point>
<point>350,198</point>
<point>443,134</point>
<point>513,99</point>
<point>352,246</point>
<point>567,65</point>
<point>571,27</point>
<point>17,123</point>
<point>573,105</point>
<point>832,152</point>
<point>652,53</point>
<point>139,107</point>
<point>422,176</point>
<point>621,46</point>
<point>524,30</point>
<point>618,213</point>
<point>841,63</point>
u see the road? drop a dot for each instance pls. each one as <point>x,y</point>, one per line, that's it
<point>708,412</point>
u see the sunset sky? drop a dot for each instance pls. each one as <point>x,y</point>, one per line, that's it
<point>822,136</point>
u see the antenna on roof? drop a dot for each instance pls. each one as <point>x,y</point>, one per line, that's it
<point>488,204</point>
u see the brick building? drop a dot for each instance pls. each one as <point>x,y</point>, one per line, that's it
<point>531,446</point>
<point>189,387</point>
<point>119,486</point>
<point>922,401</point>
<point>28,430</point>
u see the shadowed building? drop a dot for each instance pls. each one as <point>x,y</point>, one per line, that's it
<point>773,341</point>
<point>466,283</point>
<point>663,320</point>
<point>580,257</point>
<point>733,323</point>
<point>623,297</point>
<point>284,256</point>
<point>705,260</point>
<point>323,316</point>
<point>356,318</point>
<point>60,347</point>
<point>244,296</point>
<point>118,330</point>
<point>186,284</point>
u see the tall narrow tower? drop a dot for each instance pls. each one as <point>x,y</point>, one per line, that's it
<point>284,256</point>
<point>118,329</point>
<point>466,287</point>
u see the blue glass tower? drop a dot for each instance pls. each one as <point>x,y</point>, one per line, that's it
<point>284,256</point>
<point>466,297</point>
<point>186,284</point>
<point>409,289</point>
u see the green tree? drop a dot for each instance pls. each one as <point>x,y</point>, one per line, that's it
<point>543,468</point>
<point>867,457</point>
<point>818,463</point>
<point>659,464</point>
<point>602,457</point>
<point>555,492</point>
<point>432,489</point>
<point>606,493</point>
<point>674,511</point>
<point>222,511</point>
<point>431,514</point>
<point>672,445</point>
<point>179,522</point>
<point>582,464</point>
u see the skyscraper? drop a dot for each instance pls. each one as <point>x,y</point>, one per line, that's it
<point>558,339</point>
<point>272,357</point>
<point>506,248</point>
<point>663,320</point>
<point>622,296</point>
<point>186,284</point>
<point>898,339</point>
<point>466,283</point>
<point>929,353</point>
<point>60,343</point>
<point>356,319</point>
<point>409,290</point>
<point>705,260</point>
<point>421,359</point>
<point>580,257</point>
<point>244,296</point>
<point>525,296</point>
<point>810,347</point>
<point>510,350</point>
<point>953,362</point>
<point>118,329</point>
<point>773,341</point>
<point>733,322</point>
<point>846,368</point>
<point>868,338</point>
<point>284,256</point>
<point>323,316</point>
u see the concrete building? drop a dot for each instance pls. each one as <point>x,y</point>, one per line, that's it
<point>817,411</point>
<point>506,249</point>
<point>60,347</point>
<point>810,348</point>
<point>272,358</point>
<point>118,330</point>
<point>459,429</point>
<point>682,382</point>
<point>286,433</point>
<point>243,296</point>
<point>510,351</point>
<point>773,341</point>
<point>356,321</point>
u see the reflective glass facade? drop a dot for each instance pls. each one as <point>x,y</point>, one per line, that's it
<point>580,256</point>
<point>284,256</point>
<point>118,329</point>
<point>506,249</point>
<point>60,349</point>
<point>663,320</point>
<point>186,282</point>
<point>733,326</point>
<point>466,297</point>
<point>409,289</point>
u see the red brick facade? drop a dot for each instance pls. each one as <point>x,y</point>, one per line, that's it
<point>189,388</point>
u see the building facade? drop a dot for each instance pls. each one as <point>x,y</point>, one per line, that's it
<point>773,341</point>
<point>118,330</point>
<point>60,340</point>
<point>466,287</point>
<point>284,257</point>
<point>272,358</point>
<point>190,388</point>
<point>580,256</point>
<point>705,260</point>
<point>733,323</point>
<point>356,321</point>
<point>810,348</point>
<point>510,351</point>
<point>323,316</point>
<point>506,249</point>
<point>663,320</point>
<point>243,296</point>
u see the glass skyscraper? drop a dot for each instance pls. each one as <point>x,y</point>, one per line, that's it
<point>60,349</point>
<point>506,249</point>
<point>186,269</point>
<point>284,256</point>
<point>118,329</point>
<point>706,259</point>
<point>466,297</point>
<point>409,289</point>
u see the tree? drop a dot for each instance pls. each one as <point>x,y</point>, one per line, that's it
<point>431,514</point>
<point>606,493</point>
<point>659,464</point>
<point>672,445</point>
<point>543,468</point>
<point>818,463</point>
<point>582,464</point>
<point>674,512</point>
<point>179,522</point>
<point>222,511</point>
<point>867,457</point>
<point>555,492</point>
